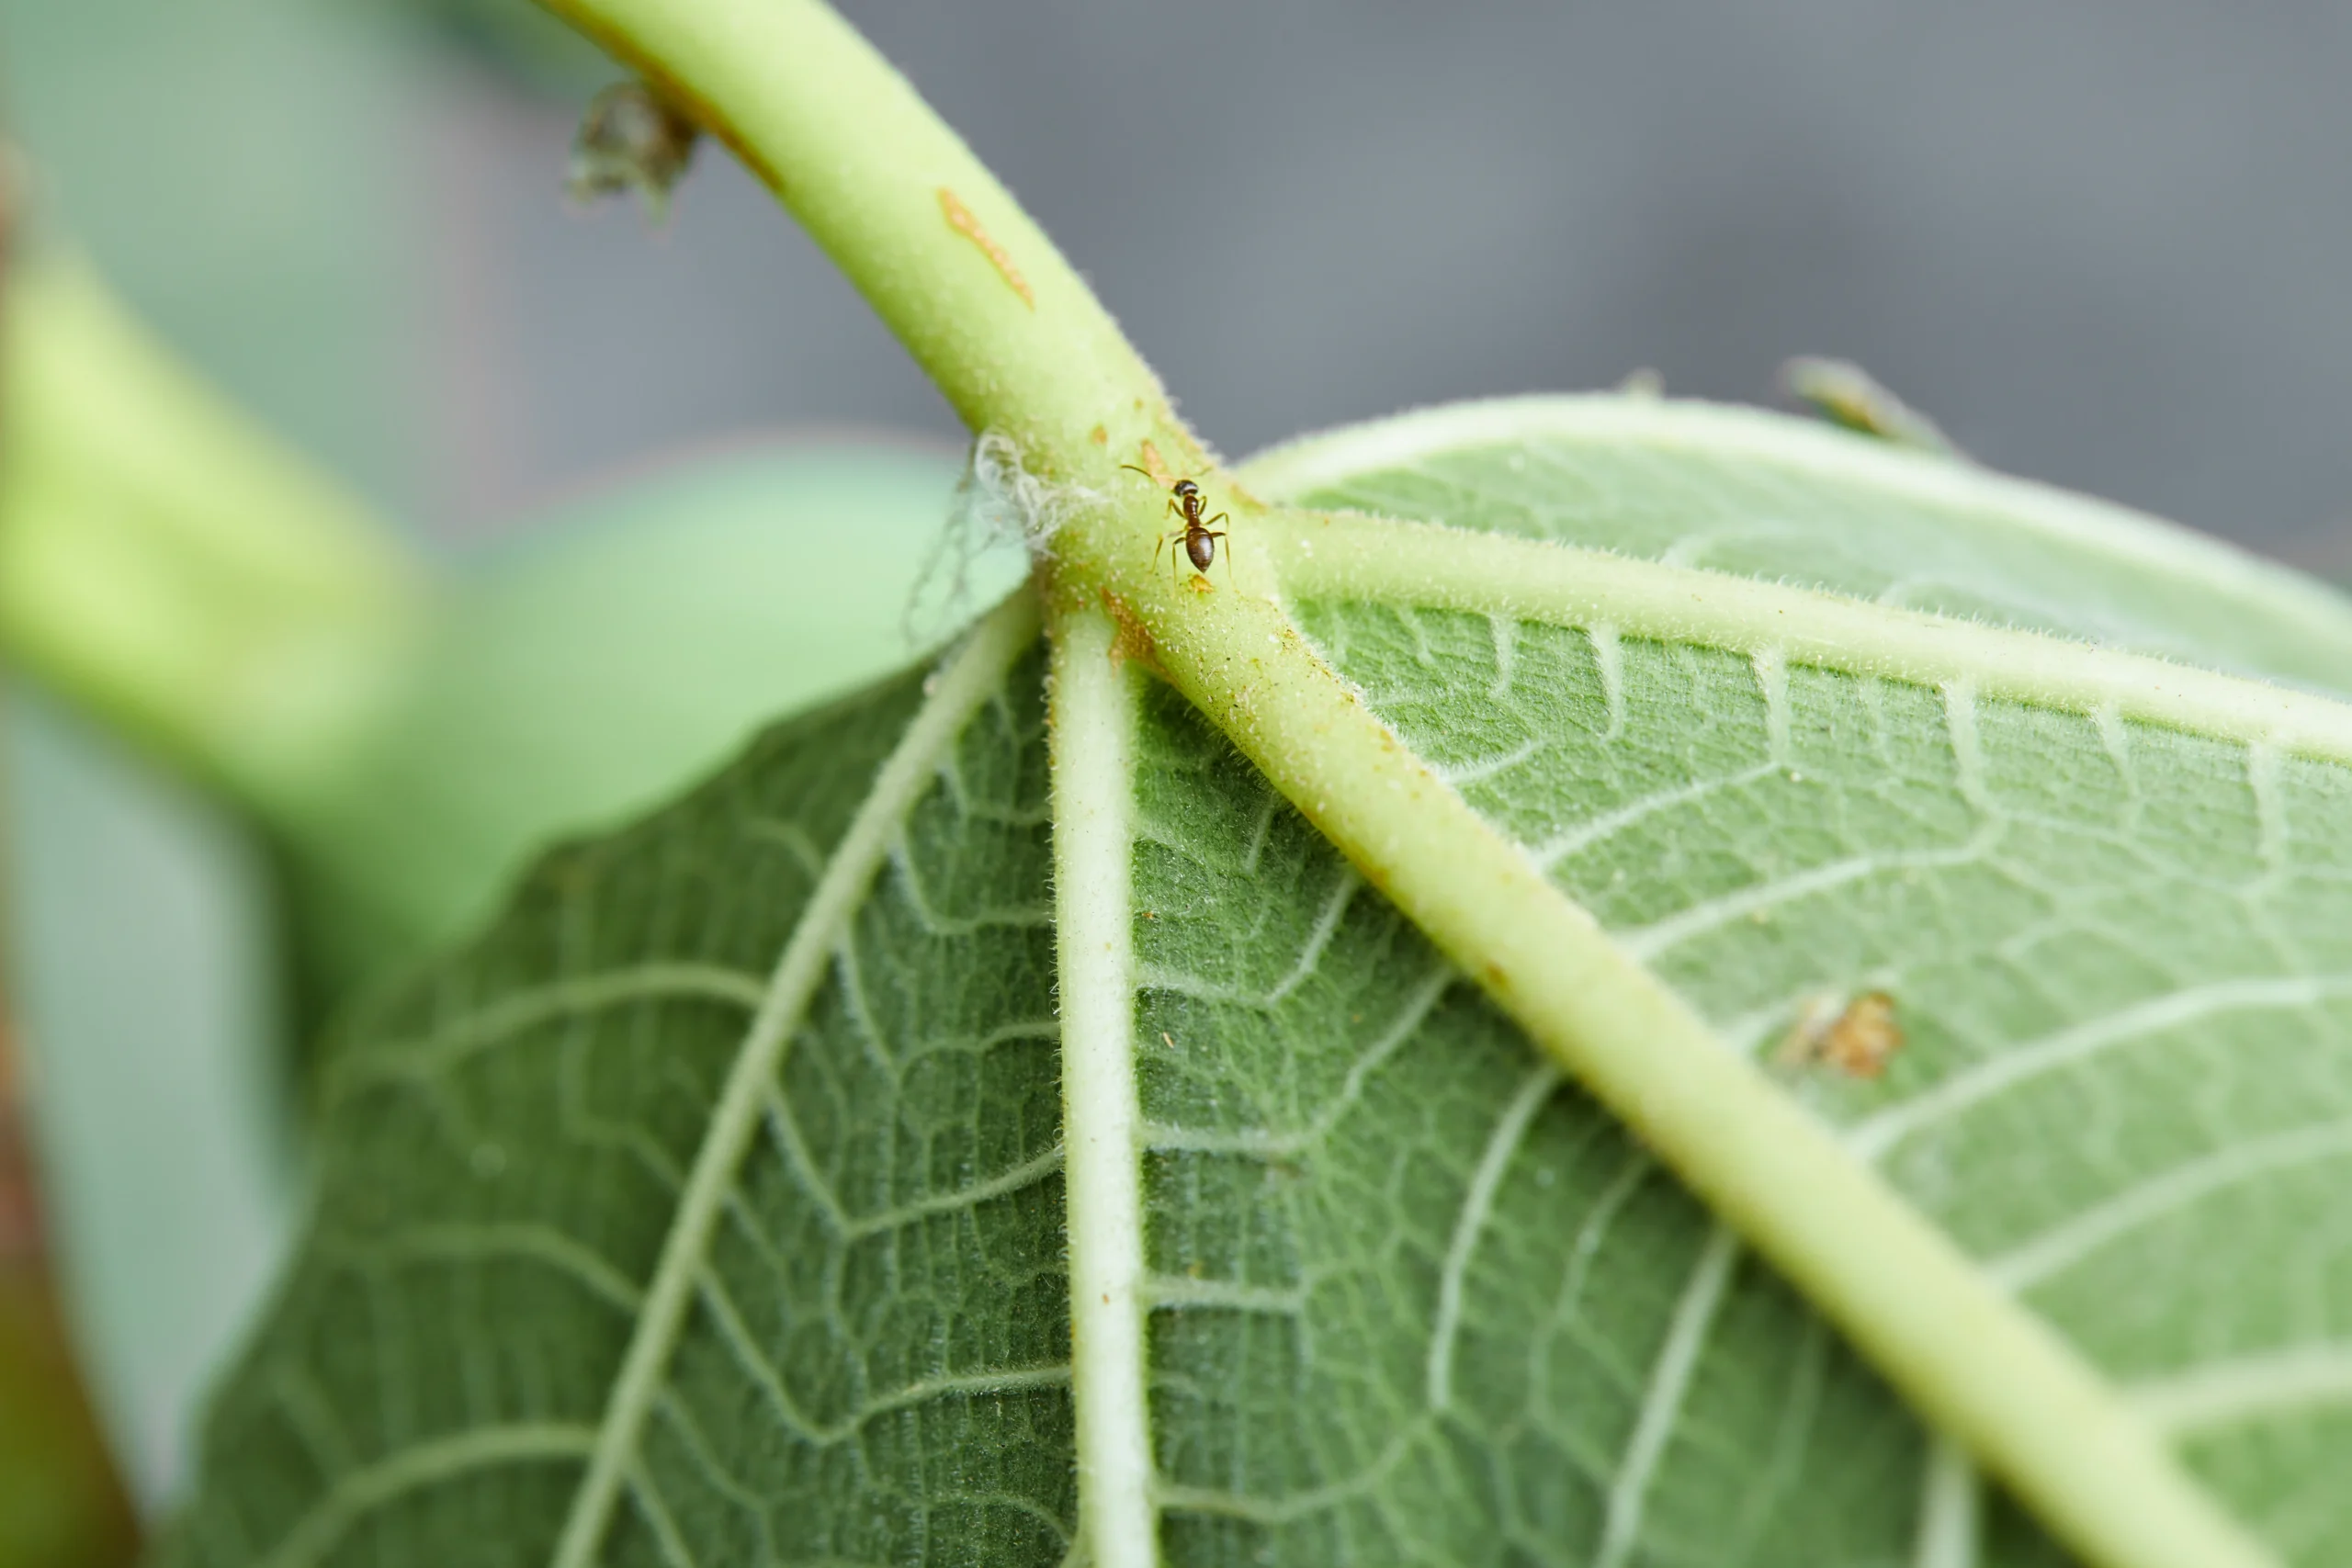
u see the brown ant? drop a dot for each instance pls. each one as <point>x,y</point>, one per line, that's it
<point>1186,502</point>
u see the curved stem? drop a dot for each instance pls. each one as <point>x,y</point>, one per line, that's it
<point>164,563</point>
<point>942,251</point>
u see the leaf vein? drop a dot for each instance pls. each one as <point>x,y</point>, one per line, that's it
<point>962,685</point>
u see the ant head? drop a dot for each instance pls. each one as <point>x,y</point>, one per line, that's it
<point>1185,487</point>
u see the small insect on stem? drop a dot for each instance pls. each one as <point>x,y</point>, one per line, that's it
<point>1185,500</point>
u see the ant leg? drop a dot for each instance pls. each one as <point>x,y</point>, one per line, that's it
<point>1178,513</point>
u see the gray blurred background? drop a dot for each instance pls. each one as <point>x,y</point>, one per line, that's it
<point>2103,245</point>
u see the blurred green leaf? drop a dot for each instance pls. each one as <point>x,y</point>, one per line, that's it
<point>570,679</point>
<point>145,975</point>
<point>628,643</point>
<point>164,136</point>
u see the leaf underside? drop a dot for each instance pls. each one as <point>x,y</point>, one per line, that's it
<point>1417,1299</point>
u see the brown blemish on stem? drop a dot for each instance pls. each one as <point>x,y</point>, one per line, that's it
<point>1099,436</point>
<point>961,219</point>
<point>1157,468</point>
<point>1129,638</point>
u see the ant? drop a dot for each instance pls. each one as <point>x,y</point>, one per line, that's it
<point>1186,500</point>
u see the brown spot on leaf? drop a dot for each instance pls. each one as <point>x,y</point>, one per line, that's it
<point>1099,436</point>
<point>1858,1039</point>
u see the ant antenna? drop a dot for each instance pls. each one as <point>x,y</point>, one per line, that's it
<point>1133,469</point>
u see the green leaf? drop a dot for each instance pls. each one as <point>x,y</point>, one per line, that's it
<point>711,1207</point>
<point>1736,491</point>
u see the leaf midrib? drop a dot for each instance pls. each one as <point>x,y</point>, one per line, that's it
<point>1093,786</point>
<point>1429,566</point>
<point>1689,428</point>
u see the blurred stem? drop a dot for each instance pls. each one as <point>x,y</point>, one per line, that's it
<point>166,563</point>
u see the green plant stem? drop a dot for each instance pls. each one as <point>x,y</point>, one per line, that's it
<point>1019,346</point>
<point>166,564</point>
<point>859,158</point>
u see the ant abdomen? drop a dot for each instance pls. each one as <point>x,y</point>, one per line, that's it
<point>1199,537</point>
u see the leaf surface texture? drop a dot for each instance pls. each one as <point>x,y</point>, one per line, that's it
<point>1414,1299</point>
